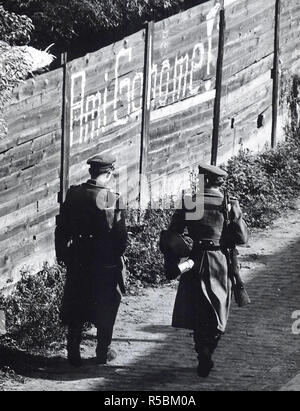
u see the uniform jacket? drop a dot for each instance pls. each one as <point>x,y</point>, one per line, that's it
<point>91,237</point>
<point>204,294</point>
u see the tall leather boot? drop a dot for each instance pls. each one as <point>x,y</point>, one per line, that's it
<point>206,342</point>
<point>206,363</point>
<point>104,353</point>
<point>74,341</point>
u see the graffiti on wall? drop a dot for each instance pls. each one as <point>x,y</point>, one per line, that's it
<point>172,80</point>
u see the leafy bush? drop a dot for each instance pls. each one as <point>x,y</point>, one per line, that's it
<point>17,60</point>
<point>16,64</point>
<point>145,261</point>
<point>266,183</point>
<point>14,67</point>
<point>14,29</point>
<point>32,310</point>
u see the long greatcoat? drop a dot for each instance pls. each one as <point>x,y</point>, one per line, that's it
<point>204,294</point>
<point>91,238</point>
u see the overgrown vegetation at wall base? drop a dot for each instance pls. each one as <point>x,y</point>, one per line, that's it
<point>33,309</point>
<point>144,259</point>
<point>266,183</point>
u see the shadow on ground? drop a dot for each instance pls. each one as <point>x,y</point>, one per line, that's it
<point>259,351</point>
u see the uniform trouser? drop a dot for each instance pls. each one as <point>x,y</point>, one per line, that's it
<point>102,313</point>
<point>104,336</point>
<point>206,341</point>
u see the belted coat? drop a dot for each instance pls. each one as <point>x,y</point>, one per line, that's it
<point>204,294</point>
<point>91,237</point>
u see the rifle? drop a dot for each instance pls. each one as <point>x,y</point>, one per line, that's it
<point>240,293</point>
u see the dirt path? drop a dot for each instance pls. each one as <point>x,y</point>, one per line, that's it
<point>259,351</point>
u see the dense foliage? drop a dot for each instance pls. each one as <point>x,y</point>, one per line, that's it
<point>32,311</point>
<point>145,261</point>
<point>14,29</point>
<point>17,59</point>
<point>14,67</point>
<point>266,184</point>
<point>82,25</point>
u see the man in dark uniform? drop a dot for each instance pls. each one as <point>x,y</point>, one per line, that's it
<point>205,292</point>
<point>91,237</point>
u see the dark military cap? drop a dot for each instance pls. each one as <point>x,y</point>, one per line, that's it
<point>102,162</point>
<point>212,171</point>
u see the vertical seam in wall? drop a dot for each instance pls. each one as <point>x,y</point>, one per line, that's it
<point>275,73</point>
<point>146,109</point>
<point>65,141</point>
<point>219,83</point>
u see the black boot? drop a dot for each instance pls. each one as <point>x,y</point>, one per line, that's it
<point>205,363</point>
<point>74,340</point>
<point>74,356</point>
<point>105,355</point>
<point>206,342</point>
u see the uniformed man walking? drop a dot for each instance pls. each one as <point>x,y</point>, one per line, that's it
<point>91,237</point>
<point>205,291</point>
